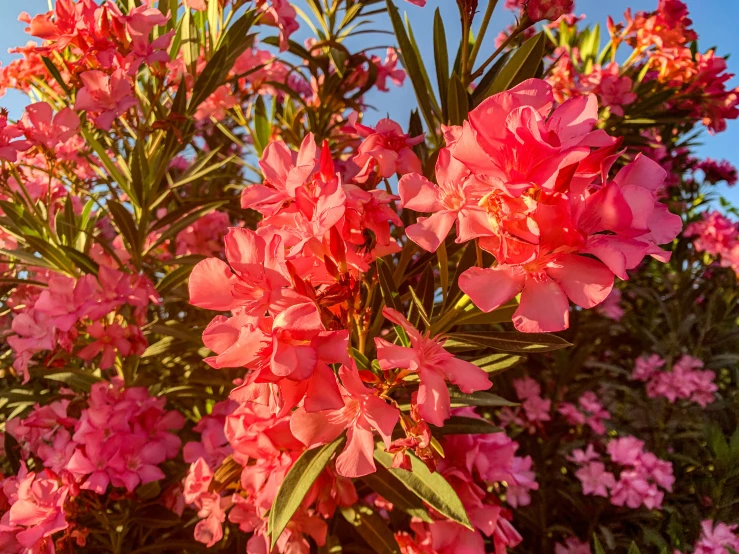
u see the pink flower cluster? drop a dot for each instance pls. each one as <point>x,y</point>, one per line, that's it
<point>686,381</point>
<point>717,171</point>
<point>534,410</point>
<point>717,235</point>
<point>52,319</point>
<point>643,477</point>
<point>121,438</point>
<point>474,463</point>
<point>717,538</point>
<point>589,412</point>
<point>661,52</point>
<point>107,48</point>
<point>35,511</point>
<point>286,283</point>
<point>530,185</point>
<point>611,306</point>
<point>259,445</point>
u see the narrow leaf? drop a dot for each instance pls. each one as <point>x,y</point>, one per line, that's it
<point>432,488</point>
<point>296,485</point>
<point>372,528</point>
<point>522,65</point>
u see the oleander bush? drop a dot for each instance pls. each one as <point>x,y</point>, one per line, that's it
<point>243,313</point>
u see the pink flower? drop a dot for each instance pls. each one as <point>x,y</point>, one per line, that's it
<point>148,52</point>
<point>611,306</point>
<point>385,151</point>
<point>581,457</point>
<point>634,490</point>
<point>108,96</point>
<point>388,70</point>
<point>36,511</point>
<point>613,89</point>
<point>646,366</point>
<point>572,545</point>
<point>628,206</point>
<point>257,279</point>
<point>537,408</point>
<point>686,381</point>
<point>717,171</point>
<point>282,15</point>
<point>625,450</point>
<point>595,479</point>
<point>284,173</point>
<point>111,340</point>
<point>197,5</point>
<point>9,147</point>
<point>456,199</point>
<point>362,413</point>
<point>35,332</point>
<point>434,365</point>
<point>41,126</point>
<point>549,10</point>
<point>716,538</point>
<point>571,413</point>
<point>526,388</point>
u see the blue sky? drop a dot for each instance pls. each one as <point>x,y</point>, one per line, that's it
<point>712,19</point>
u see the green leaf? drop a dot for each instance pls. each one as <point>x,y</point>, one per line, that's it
<point>231,45</point>
<point>459,104</point>
<point>412,64</point>
<point>262,126</point>
<point>153,517</point>
<point>55,73</point>
<point>127,227</point>
<point>482,91</point>
<point>107,162</point>
<point>479,398</point>
<point>497,362</point>
<point>12,452</point>
<point>441,58</point>
<point>183,221</point>
<point>506,341</point>
<point>459,425</point>
<point>75,378</point>
<point>633,549</point>
<point>597,545</point>
<point>420,310</point>
<point>387,286</point>
<point>522,65</point>
<point>296,485</point>
<point>81,260</point>
<point>465,262</point>
<point>174,279</point>
<point>432,488</point>
<point>391,489</point>
<point>372,528</point>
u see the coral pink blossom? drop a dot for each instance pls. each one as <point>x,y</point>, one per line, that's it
<point>456,199</point>
<point>41,126</point>
<point>362,413</point>
<point>9,147</point>
<point>106,96</point>
<point>282,15</point>
<point>434,365</point>
<point>385,151</point>
<point>197,5</point>
<point>36,511</point>
<point>549,10</point>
